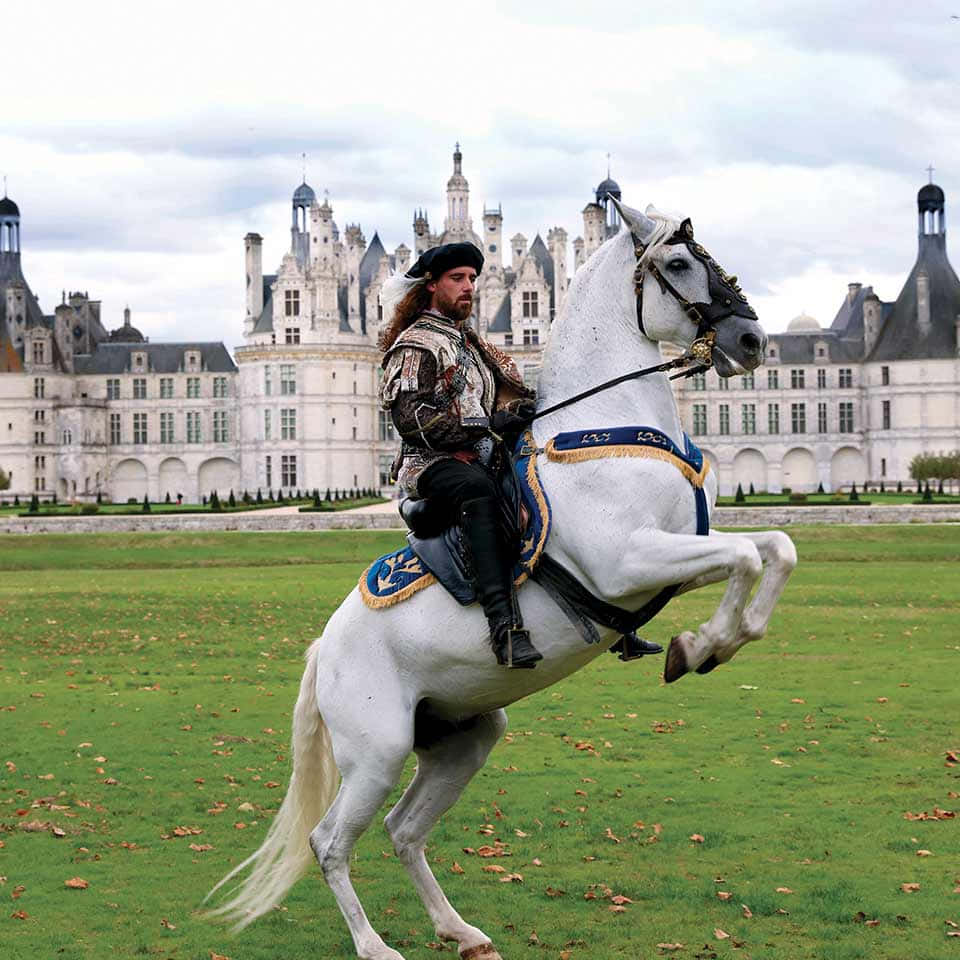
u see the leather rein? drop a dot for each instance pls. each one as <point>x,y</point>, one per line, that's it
<point>726,300</point>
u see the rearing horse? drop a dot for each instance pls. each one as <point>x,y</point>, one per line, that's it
<point>418,676</point>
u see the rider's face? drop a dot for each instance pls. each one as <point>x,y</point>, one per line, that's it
<point>453,292</point>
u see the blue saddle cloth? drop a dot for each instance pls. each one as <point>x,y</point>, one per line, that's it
<point>422,562</point>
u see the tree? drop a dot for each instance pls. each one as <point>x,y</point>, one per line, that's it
<point>215,504</point>
<point>231,500</point>
<point>259,496</point>
<point>316,499</point>
<point>854,496</point>
<point>326,496</point>
<point>146,503</point>
<point>820,487</point>
<point>751,492</point>
<point>739,498</point>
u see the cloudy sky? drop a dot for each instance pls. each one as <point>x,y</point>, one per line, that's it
<point>143,140</point>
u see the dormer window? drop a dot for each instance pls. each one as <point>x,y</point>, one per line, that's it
<point>192,358</point>
<point>139,361</point>
<point>39,353</point>
<point>291,303</point>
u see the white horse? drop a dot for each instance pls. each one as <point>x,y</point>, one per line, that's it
<point>419,676</point>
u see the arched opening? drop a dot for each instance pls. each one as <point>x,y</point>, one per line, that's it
<point>750,468</point>
<point>799,471</point>
<point>847,467</point>
<point>129,481</point>
<point>173,478</point>
<point>220,474</point>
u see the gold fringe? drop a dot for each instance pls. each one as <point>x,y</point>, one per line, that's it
<point>379,603</point>
<point>629,450</point>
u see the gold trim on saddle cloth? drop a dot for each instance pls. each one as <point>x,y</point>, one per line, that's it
<point>600,452</point>
<point>391,571</point>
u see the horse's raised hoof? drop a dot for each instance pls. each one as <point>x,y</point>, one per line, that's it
<point>676,665</point>
<point>483,951</point>
<point>709,664</point>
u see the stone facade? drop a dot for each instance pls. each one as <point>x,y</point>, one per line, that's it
<point>852,403</point>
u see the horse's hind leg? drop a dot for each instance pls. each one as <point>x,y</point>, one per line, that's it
<point>443,771</point>
<point>370,752</point>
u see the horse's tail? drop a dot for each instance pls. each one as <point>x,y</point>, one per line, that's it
<point>285,853</point>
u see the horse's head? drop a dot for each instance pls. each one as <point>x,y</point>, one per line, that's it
<point>684,295</point>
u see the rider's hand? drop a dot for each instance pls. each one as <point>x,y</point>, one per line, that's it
<point>506,422</point>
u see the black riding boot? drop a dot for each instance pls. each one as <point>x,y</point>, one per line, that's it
<point>494,583</point>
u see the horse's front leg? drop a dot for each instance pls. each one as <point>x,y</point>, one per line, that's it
<point>779,557</point>
<point>655,559</point>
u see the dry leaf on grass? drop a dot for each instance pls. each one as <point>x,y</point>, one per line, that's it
<point>909,887</point>
<point>721,934</point>
<point>76,883</point>
<point>697,838</point>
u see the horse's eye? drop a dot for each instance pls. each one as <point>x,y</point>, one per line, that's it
<point>678,264</point>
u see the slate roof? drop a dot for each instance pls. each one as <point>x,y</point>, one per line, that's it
<point>801,348</point>
<point>540,253</point>
<point>10,271</point>
<point>114,358</point>
<point>848,323</point>
<point>501,321</point>
<point>264,322</point>
<point>901,337</point>
<point>369,264</point>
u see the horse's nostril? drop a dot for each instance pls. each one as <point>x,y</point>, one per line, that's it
<point>750,343</point>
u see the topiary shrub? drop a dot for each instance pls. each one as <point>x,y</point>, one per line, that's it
<point>316,498</point>
<point>167,499</point>
<point>899,486</point>
<point>798,498</point>
<point>259,496</point>
<point>89,508</point>
<point>739,497</point>
<point>146,504</point>
<point>16,500</point>
<point>231,500</point>
<point>927,494</point>
<point>99,497</point>
<point>819,488</point>
<point>215,505</point>
<point>854,496</point>
<point>34,504</point>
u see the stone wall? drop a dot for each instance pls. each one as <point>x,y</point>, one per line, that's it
<point>767,517</point>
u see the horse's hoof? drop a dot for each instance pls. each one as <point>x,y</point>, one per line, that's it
<point>709,664</point>
<point>483,951</point>
<point>676,665</point>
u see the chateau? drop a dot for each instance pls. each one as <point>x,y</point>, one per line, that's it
<point>86,411</point>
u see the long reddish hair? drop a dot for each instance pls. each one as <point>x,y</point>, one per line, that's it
<point>406,311</point>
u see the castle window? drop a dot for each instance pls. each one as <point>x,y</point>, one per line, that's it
<point>699,381</point>
<point>846,416</point>
<point>724,419</point>
<point>166,388</point>
<point>267,425</point>
<point>798,417</point>
<point>219,386</point>
<point>267,384</point>
<point>885,376</point>
<point>166,427</point>
<point>773,418</point>
<point>821,418</point>
<point>291,303</point>
<point>508,339</point>
<point>773,379</point>
<point>39,388</point>
<point>531,304</point>
<point>115,428</point>
<point>39,416</point>
<point>288,424</point>
<point>38,351</point>
<point>193,388</point>
<point>699,418</point>
<point>292,335</point>
<point>531,338</point>
<point>846,378</point>
<point>886,414</point>
<point>749,417</point>
<point>797,380</point>
<point>387,433</point>
<point>268,470</point>
<point>220,434</point>
<point>113,388</point>
<point>139,388</point>
<point>67,437</point>
<point>193,427</point>
<point>139,428</point>
<point>288,379</point>
<point>723,383</point>
<point>747,381</point>
<point>821,379</point>
<point>288,470</point>
<point>40,437</point>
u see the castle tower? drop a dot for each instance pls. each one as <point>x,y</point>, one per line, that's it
<point>594,229</point>
<point>421,232</point>
<point>253,253</point>
<point>606,192</point>
<point>303,199</point>
<point>557,245</point>
<point>356,244</point>
<point>518,249</point>
<point>457,225</point>
<point>493,239</point>
<point>9,227</point>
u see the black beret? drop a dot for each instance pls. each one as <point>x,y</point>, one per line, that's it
<point>448,256</point>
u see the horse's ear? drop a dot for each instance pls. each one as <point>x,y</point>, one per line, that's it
<point>640,225</point>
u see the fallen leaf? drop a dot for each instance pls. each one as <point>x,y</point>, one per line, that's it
<point>217,956</point>
<point>456,868</point>
<point>924,853</point>
<point>553,892</point>
<point>697,838</point>
<point>17,891</point>
<point>723,895</point>
<point>617,909</point>
<point>19,915</point>
<point>620,900</point>
<point>494,868</point>
<point>747,912</point>
<point>76,883</point>
<point>784,890</point>
<point>721,934</point>
<point>909,887</point>
<point>168,924</point>
<point>669,946</point>
<point>201,847</point>
<point>511,878</point>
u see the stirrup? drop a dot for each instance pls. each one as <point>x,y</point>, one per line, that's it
<point>631,647</point>
<point>513,648</point>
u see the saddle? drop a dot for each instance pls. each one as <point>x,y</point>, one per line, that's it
<point>436,537</point>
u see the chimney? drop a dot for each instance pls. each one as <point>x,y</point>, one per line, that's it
<point>852,290</point>
<point>519,245</point>
<point>872,322</point>
<point>253,246</point>
<point>923,301</point>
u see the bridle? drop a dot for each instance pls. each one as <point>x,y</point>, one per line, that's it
<point>726,300</point>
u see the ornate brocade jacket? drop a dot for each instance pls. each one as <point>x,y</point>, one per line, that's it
<point>441,383</point>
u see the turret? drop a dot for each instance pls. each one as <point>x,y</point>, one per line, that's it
<point>594,229</point>
<point>458,201</point>
<point>9,227</point>
<point>518,249</point>
<point>253,251</point>
<point>557,245</point>
<point>353,236</point>
<point>578,256</point>
<point>401,258</point>
<point>303,199</point>
<point>421,232</point>
<point>492,239</point>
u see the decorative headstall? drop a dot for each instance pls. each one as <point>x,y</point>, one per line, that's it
<point>726,297</point>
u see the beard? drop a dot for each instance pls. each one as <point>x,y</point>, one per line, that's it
<point>454,309</point>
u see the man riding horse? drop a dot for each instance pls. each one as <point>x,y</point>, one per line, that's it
<point>458,404</point>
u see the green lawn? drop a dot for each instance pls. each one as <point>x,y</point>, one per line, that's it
<point>146,683</point>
